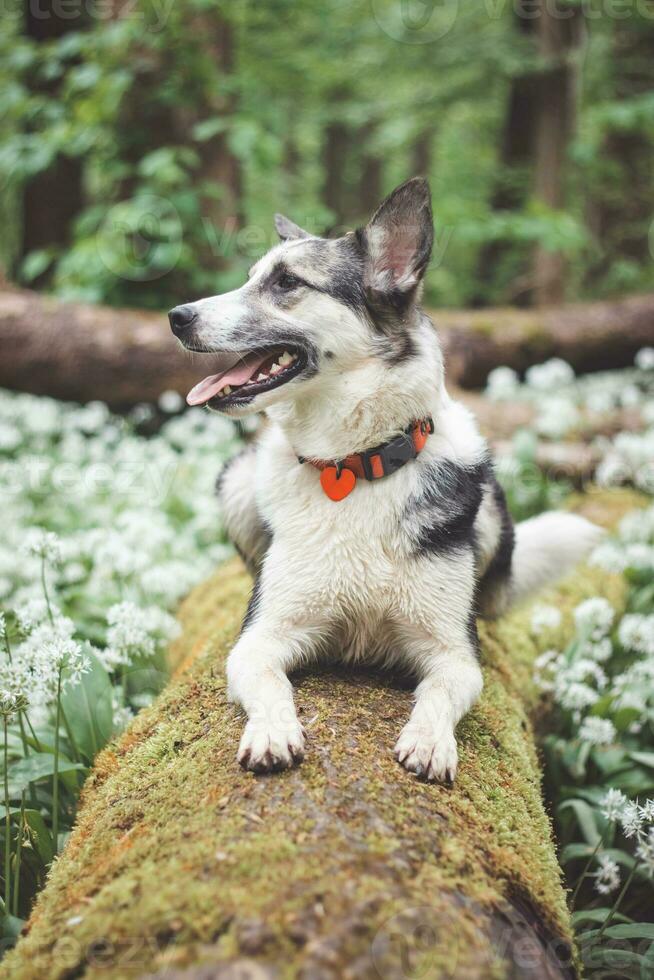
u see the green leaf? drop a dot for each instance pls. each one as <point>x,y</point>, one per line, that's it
<point>573,852</point>
<point>35,264</point>
<point>40,834</point>
<point>208,127</point>
<point>644,758</point>
<point>34,768</point>
<point>89,711</point>
<point>10,928</point>
<point>586,818</point>
<point>596,915</point>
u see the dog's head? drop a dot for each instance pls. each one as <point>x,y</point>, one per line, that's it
<point>312,306</point>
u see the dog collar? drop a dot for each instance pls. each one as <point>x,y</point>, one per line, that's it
<point>338,479</point>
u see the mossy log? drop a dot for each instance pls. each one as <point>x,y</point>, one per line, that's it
<point>81,352</point>
<point>182,865</point>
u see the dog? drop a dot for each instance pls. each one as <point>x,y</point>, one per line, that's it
<point>368,510</point>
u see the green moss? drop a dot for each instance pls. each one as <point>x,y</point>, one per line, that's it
<point>179,858</point>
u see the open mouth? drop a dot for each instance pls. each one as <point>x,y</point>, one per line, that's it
<point>247,374</point>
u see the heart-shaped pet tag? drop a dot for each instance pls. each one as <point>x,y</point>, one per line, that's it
<point>337,487</point>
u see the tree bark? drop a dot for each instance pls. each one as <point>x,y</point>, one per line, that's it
<point>80,352</point>
<point>511,183</point>
<point>53,198</point>
<point>336,153</point>
<point>621,222</point>
<point>558,37</point>
<point>183,866</point>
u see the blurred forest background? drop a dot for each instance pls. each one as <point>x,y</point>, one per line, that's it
<point>145,146</point>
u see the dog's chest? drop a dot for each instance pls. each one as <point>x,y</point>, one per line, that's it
<point>354,549</point>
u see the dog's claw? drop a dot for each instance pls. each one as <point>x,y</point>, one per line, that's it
<point>264,750</point>
<point>431,755</point>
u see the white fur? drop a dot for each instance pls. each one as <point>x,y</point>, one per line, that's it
<point>547,547</point>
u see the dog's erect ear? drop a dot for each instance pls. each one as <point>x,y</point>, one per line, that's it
<point>287,229</point>
<point>398,240</point>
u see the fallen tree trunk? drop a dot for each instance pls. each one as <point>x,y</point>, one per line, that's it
<point>589,336</point>
<point>181,865</point>
<point>81,352</point>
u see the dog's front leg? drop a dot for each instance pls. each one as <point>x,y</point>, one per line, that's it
<point>451,683</point>
<point>256,674</point>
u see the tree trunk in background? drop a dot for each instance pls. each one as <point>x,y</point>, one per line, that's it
<point>219,166</point>
<point>558,39</point>
<point>53,198</point>
<point>511,184</point>
<point>182,866</point>
<point>421,154</point>
<point>621,221</point>
<point>370,175</point>
<point>337,151</point>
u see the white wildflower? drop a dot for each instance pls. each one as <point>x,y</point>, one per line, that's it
<point>544,618</point>
<point>136,632</point>
<point>636,633</point>
<point>609,556</point>
<point>3,626</point>
<point>550,375</point>
<point>594,617</point>
<point>43,544</point>
<point>503,382</point>
<point>644,359</point>
<point>631,819</point>
<point>557,417</point>
<point>647,811</point>
<point>170,402</point>
<point>607,879</point>
<point>597,731</point>
<point>612,804</point>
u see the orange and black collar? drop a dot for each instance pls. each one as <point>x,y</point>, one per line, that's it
<point>339,479</point>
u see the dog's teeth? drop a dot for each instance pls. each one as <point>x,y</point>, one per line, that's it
<point>227,390</point>
<point>276,368</point>
<point>262,377</point>
<point>285,359</point>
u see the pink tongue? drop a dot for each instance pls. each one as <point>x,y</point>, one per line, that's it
<point>237,375</point>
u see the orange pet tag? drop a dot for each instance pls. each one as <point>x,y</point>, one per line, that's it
<point>337,487</point>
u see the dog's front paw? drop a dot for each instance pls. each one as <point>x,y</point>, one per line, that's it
<point>266,748</point>
<point>428,752</point>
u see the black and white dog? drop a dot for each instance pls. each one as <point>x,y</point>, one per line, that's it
<point>368,509</point>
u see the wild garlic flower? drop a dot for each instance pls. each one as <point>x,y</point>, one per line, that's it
<point>550,375</point>
<point>636,633</point>
<point>631,819</point>
<point>502,382</point>
<point>647,811</point>
<point>544,618</point>
<point>3,626</point>
<point>11,702</point>
<point>607,879</point>
<point>136,632</point>
<point>609,556</point>
<point>644,359</point>
<point>597,731</point>
<point>612,804</point>
<point>594,618</point>
<point>44,544</point>
<point>170,402</point>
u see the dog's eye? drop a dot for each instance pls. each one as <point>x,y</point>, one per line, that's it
<point>288,281</point>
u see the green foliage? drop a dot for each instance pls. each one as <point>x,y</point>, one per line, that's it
<point>156,101</point>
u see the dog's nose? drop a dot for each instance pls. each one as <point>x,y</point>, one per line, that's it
<point>181,318</point>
